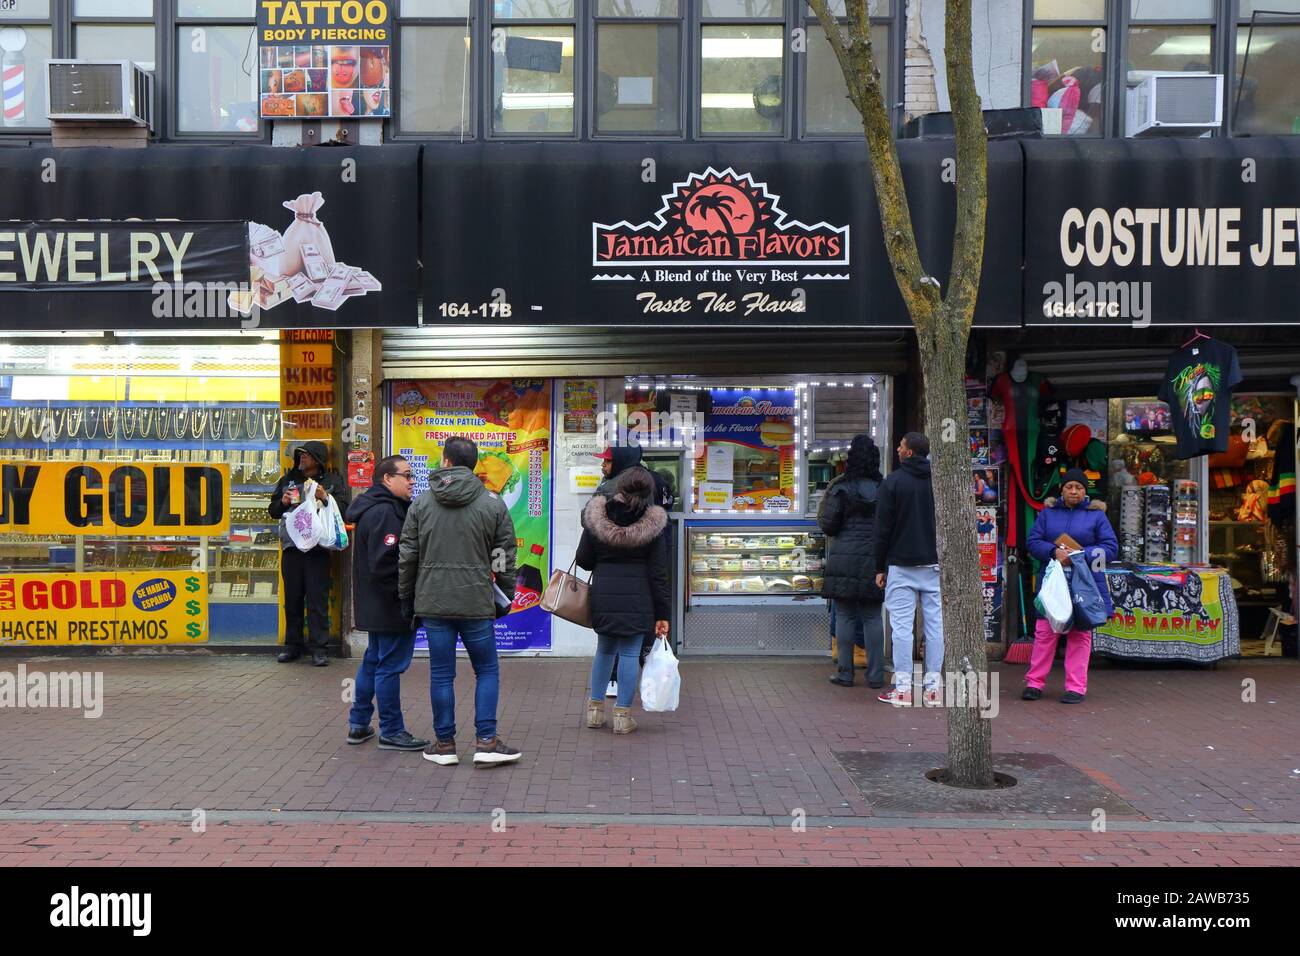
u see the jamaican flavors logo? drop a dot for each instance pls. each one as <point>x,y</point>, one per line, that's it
<point>720,218</point>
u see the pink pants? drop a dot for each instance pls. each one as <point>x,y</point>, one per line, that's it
<point>1078,647</point>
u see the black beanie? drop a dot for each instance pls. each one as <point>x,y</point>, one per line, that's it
<point>1074,474</point>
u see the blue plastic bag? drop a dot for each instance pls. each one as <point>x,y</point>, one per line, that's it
<point>1089,606</point>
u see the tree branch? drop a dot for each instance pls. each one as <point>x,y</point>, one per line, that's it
<point>972,165</point>
<point>922,298</point>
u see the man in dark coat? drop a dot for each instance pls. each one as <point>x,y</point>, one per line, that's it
<point>848,517</point>
<point>306,574</point>
<point>907,554</point>
<point>377,516</point>
<point>457,541</point>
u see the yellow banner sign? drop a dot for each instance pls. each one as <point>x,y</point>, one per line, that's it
<point>123,607</point>
<point>107,498</point>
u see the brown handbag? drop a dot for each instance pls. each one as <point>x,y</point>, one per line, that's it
<point>569,597</point>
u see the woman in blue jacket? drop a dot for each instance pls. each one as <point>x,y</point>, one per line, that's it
<point>1085,521</point>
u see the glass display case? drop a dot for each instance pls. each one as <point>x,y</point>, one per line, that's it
<point>751,562</point>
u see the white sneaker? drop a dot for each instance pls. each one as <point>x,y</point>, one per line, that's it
<point>612,689</point>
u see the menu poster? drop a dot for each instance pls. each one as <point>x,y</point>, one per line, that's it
<point>510,422</point>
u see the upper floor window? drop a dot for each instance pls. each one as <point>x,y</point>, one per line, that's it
<point>202,53</point>
<point>1267,100</point>
<point>26,44</point>
<point>678,69</point>
<point>1067,65</point>
<point>217,70</point>
<point>1081,56</point>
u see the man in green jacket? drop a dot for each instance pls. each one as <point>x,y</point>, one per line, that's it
<point>456,541</point>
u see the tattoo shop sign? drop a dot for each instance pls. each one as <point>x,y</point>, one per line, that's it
<point>102,498</point>
<point>1168,232</point>
<point>319,58</point>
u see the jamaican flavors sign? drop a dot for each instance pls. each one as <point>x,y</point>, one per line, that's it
<point>692,234</point>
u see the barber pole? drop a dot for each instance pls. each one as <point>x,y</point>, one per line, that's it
<point>13,74</point>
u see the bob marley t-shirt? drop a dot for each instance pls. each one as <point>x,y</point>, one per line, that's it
<point>1198,388</point>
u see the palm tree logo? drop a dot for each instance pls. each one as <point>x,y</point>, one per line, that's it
<point>720,207</point>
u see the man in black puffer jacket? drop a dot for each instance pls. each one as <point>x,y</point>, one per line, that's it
<point>848,516</point>
<point>378,515</point>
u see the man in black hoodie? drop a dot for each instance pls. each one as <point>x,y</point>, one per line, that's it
<point>377,516</point>
<point>906,545</point>
<point>306,574</point>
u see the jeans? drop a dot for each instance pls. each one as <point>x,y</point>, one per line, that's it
<point>902,587</point>
<point>479,637</point>
<point>625,652</point>
<point>852,618</point>
<point>388,655</point>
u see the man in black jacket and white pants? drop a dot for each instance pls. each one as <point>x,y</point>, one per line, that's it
<point>378,516</point>
<point>907,546</point>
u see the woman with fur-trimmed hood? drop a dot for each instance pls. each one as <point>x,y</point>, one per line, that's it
<point>623,546</point>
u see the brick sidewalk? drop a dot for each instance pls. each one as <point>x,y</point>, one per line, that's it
<point>370,844</point>
<point>751,738</point>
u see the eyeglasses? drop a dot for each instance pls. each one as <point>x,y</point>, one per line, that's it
<point>409,476</point>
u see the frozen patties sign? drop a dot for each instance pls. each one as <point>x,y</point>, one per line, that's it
<point>319,58</point>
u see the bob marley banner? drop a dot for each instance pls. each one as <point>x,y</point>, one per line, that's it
<point>319,58</point>
<point>510,422</point>
<point>1170,615</point>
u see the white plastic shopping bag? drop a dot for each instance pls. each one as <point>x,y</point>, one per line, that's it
<point>329,516</point>
<point>661,685</point>
<point>1054,602</point>
<point>304,529</point>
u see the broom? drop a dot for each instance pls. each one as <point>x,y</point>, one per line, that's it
<point>1020,651</point>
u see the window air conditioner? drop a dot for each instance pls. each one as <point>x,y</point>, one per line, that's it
<point>84,91</point>
<point>1174,104</point>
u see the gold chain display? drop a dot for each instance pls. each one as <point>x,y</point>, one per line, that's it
<point>6,419</point>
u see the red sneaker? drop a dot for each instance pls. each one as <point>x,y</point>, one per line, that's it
<point>899,698</point>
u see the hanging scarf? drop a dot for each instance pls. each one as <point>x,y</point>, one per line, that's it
<point>1021,402</point>
<point>1281,493</point>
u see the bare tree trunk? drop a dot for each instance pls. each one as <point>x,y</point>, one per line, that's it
<point>943,323</point>
<point>970,737</point>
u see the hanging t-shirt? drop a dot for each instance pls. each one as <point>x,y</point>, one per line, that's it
<point>1198,388</point>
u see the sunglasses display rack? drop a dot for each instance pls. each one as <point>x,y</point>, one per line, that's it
<point>1186,509</point>
<point>1132,510</point>
<point>1156,525</point>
